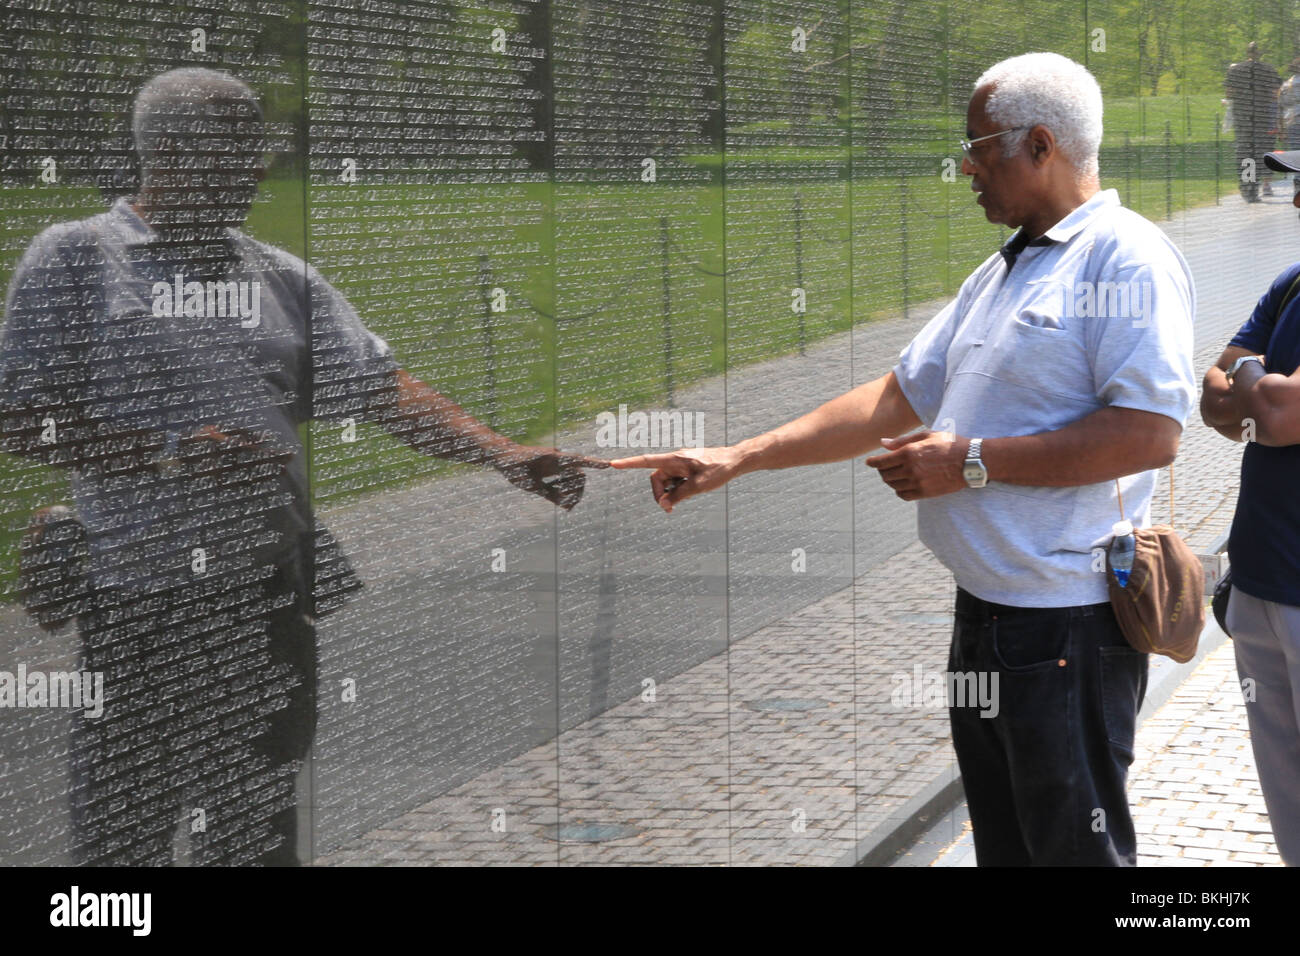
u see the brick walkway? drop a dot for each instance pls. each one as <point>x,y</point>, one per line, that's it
<point>1193,786</point>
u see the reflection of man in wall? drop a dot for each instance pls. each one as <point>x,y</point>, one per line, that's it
<point>1066,395</point>
<point>1251,86</point>
<point>168,359</point>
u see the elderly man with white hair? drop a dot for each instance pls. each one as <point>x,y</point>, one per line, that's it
<point>1061,374</point>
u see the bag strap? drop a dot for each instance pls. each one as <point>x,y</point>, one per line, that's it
<point>1286,299</point>
<point>1120,494</point>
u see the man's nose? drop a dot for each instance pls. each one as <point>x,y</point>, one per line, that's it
<point>967,167</point>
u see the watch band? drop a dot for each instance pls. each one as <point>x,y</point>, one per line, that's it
<point>1236,366</point>
<point>975,472</point>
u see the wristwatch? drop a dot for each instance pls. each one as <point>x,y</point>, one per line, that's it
<point>1236,366</point>
<point>976,475</point>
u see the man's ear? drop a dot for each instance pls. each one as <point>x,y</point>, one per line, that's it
<point>1042,144</point>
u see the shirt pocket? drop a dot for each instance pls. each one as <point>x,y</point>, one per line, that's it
<point>1036,378</point>
<point>1042,356</point>
<point>1044,306</point>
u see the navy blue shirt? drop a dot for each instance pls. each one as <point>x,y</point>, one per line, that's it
<point>1264,546</point>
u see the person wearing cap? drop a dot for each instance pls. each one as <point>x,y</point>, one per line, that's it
<point>170,361</point>
<point>1252,395</point>
<point>1035,393</point>
<point>1288,116</point>
<point>1251,86</point>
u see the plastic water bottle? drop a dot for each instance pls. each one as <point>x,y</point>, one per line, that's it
<point>1123,546</point>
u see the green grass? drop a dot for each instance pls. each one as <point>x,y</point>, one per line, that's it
<point>1190,119</point>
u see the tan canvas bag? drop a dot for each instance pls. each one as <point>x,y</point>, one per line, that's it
<point>1162,611</point>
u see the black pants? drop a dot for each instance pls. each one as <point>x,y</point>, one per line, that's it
<point>210,706</point>
<point>1045,775</point>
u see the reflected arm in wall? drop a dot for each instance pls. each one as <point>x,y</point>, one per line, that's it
<point>433,424</point>
<point>852,424</point>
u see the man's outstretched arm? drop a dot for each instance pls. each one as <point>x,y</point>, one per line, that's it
<point>852,424</point>
<point>429,422</point>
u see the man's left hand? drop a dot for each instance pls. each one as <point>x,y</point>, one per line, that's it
<point>548,472</point>
<point>923,464</point>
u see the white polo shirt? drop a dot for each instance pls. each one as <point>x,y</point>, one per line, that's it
<point>1099,315</point>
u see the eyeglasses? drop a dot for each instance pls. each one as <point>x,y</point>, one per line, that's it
<point>966,144</point>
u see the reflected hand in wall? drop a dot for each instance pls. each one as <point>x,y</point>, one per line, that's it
<point>556,476</point>
<point>431,423</point>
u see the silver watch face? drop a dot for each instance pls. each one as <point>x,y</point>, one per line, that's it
<point>976,475</point>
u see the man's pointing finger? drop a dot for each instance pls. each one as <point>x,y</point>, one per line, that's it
<point>649,461</point>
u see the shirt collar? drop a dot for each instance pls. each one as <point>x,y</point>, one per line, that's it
<point>1012,248</point>
<point>1065,230</point>
<point>137,230</point>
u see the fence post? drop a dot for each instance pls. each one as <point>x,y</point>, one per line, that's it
<point>1218,169</point>
<point>1128,170</point>
<point>489,346</point>
<point>1169,172</point>
<point>667,311</point>
<point>902,201</point>
<point>798,261</point>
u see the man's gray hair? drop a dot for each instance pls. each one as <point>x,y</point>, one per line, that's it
<point>1053,91</point>
<point>172,105</point>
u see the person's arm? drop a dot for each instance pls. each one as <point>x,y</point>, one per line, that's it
<point>429,422</point>
<point>110,448</point>
<point>1142,378</point>
<point>432,424</point>
<point>1221,406</point>
<point>1107,444</point>
<point>845,427</point>
<point>1218,403</point>
<point>365,383</point>
<point>1268,403</point>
